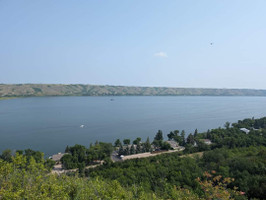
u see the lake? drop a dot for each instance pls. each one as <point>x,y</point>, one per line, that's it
<point>49,124</point>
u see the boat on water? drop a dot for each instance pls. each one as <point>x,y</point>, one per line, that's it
<point>82,126</point>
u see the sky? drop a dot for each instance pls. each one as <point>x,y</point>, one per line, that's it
<point>172,43</point>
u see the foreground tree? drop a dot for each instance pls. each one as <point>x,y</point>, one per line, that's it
<point>190,139</point>
<point>174,135</point>
<point>147,145</point>
<point>118,143</point>
<point>183,139</point>
<point>158,139</point>
<point>195,133</point>
<point>137,141</point>
<point>216,187</point>
<point>159,135</point>
<point>7,155</point>
<point>126,141</point>
<point>227,125</point>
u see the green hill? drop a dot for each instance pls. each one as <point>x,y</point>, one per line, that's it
<point>28,90</point>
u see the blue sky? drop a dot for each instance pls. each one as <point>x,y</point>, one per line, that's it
<point>134,43</point>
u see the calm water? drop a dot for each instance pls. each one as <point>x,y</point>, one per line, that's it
<point>49,124</point>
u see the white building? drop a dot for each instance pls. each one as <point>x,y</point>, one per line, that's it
<point>207,141</point>
<point>173,144</point>
<point>245,130</point>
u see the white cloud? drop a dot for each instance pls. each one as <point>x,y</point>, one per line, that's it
<point>161,54</point>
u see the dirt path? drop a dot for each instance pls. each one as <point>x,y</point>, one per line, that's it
<point>58,169</point>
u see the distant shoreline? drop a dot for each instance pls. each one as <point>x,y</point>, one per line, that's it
<point>18,97</point>
<point>39,90</point>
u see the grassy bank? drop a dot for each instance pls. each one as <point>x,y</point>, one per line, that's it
<point>6,98</point>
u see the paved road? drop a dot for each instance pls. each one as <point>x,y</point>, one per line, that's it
<point>116,158</point>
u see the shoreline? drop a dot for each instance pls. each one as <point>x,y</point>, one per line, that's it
<point>7,98</point>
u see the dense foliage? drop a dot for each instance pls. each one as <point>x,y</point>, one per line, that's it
<point>28,155</point>
<point>136,147</point>
<point>246,165</point>
<point>231,137</point>
<point>79,156</point>
<point>233,153</point>
<point>22,180</point>
<point>191,174</point>
<point>141,147</point>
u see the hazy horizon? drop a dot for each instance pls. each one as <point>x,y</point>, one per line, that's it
<point>180,44</point>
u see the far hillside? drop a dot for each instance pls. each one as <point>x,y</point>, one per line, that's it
<point>30,90</point>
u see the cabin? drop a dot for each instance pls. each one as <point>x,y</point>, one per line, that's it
<point>57,157</point>
<point>206,141</point>
<point>245,130</point>
<point>174,145</point>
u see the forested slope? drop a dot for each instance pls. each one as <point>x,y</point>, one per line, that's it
<point>22,178</point>
<point>232,167</point>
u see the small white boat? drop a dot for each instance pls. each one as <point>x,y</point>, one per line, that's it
<point>82,126</point>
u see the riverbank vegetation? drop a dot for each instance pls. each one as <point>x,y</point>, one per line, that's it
<point>231,165</point>
<point>6,98</point>
<point>79,156</point>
